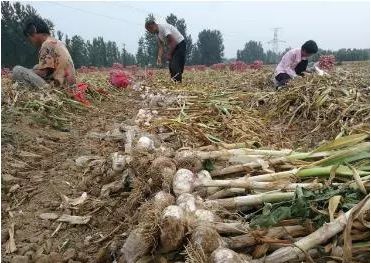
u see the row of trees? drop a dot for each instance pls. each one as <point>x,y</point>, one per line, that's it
<point>345,54</point>
<point>207,50</point>
<point>253,50</point>
<point>97,52</point>
<point>14,47</point>
<point>16,50</point>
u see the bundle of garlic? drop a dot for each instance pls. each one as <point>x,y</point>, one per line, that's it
<point>256,201</point>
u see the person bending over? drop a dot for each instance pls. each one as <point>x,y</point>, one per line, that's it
<point>294,63</point>
<point>55,62</point>
<point>170,36</point>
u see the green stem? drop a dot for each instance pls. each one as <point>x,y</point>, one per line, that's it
<point>325,171</point>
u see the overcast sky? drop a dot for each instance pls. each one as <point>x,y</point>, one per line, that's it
<point>333,25</point>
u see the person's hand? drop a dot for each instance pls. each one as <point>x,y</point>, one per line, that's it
<point>159,62</point>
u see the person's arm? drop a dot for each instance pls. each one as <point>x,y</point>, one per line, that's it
<point>43,72</point>
<point>171,43</point>
<point>286,63</point>
<point>160,52</point>
<point>46,65</point>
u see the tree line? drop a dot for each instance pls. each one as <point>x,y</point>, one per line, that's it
<point>15,50</point>
<point>253,50</point>
<point>207,50</point>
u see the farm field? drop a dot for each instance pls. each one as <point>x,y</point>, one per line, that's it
<point>242,170</point>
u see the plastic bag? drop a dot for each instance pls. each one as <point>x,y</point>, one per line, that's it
<point>119,79</point>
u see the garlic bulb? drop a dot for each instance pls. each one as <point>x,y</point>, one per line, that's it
<point>145,144</point>
<point>172,228</point>
<point>225,255</point>
<point>183,182</point>
<point>187,202</point>
<point>204,215</point>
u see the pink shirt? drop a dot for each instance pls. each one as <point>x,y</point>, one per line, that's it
<point>289,61</point>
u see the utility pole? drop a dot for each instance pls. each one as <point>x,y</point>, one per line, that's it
<point>275,41</point>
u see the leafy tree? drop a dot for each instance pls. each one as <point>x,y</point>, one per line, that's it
<point>78,51</point>
<point>178,23</point>
<point>271,57</point>
<point>142,58</point>
<point>150,43</point>
<point>127,59</point>
<point>98,52</point>
<point>113,53</point>
<point>209,48</point>
<point>253,50</point>
<point>60,35</point>
<point>195,56</point>
<point>189,48</point>
<point>15,49</point>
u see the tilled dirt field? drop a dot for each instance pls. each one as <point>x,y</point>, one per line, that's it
<point>40,175</point>
<point>38,167</point>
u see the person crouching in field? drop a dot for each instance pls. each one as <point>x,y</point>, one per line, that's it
<point>55,63</point>
<point>294,63</point>
<point>169,35</point>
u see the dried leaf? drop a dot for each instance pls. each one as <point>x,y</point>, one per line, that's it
<point>358,180</point>
<point>48,216</point>
<point>342,142</point>
<point>332,206</point>
<point>10,246</point>
<point>75,201</point>
<point>74,220</point>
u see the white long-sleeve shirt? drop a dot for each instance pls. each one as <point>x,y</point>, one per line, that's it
<point>289,61</point>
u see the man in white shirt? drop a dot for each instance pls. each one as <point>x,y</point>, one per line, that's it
<point>170,36</point>
<point>294,63</point>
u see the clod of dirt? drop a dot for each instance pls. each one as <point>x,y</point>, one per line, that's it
<point>69,254</point>
<point>43,259</point>
<point>103,256</point>
<point>7,178</point>
<point>82,257</point>
<point>28,247</point>
<point>127,178</point>
<point>55,257</point>
<point>4,235</point>
<point>29,254</point>
<point>113,187</point>
<point>20,259</point>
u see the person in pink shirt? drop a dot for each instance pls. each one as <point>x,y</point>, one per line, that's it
<point>294,63</point>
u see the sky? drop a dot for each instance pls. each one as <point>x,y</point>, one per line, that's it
<point>333,25</point>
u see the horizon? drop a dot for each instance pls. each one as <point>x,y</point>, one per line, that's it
<point>123,22</point>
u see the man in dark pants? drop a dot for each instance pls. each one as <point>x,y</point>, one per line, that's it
<point>169,35</point>
<point>294,63</point>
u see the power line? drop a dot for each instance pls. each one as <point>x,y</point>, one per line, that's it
<point>96,14</point>
<point>275,41</point>
<point>140,10</point>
